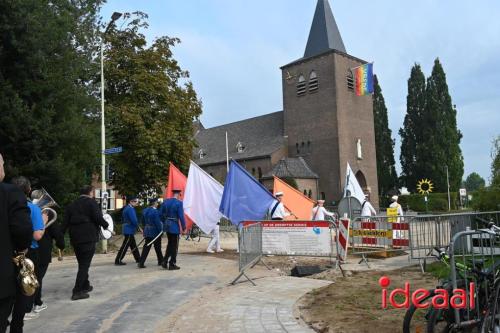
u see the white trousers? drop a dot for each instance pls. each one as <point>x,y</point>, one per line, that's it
<point>214,243</point>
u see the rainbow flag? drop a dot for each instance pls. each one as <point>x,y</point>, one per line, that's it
<point>363,76</point>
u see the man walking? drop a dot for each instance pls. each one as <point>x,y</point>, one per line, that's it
<point>153,230</point>
<point>130,226</point>
<point>172,212</point>
<point>16,233</point>
<point>24,304</point>
<point>83,218</point>
<point>319,212</point>
<point>367,209</point>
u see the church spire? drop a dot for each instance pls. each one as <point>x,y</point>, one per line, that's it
<point>324,34</point>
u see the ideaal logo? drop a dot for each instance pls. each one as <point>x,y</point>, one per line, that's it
<point>317,230</point>
<point>441,299</point>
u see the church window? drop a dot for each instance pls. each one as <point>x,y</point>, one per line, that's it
<point>301,86</point>
<point>253,171</point>
<point>297,146</point>
<point>303,143</point>
<point>239,147</point>
<point>202,154</point>
<point>305,192</point>
<point>310,194</point>
<point>350,81</point>
<point>260,172</point>
<point>313,82</point>
<point>323,196</point>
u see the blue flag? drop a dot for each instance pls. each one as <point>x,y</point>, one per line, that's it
<point>244,198</point>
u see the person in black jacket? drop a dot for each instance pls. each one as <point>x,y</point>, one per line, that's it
<point>83,219</point>
<point>15,235</point>
<point>53,232</point>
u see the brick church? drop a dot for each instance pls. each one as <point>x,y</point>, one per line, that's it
<point>323,125</point>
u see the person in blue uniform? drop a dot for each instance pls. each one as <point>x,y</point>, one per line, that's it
<point>153,228</point>
<point>130,226</point>
<point>172,213</point>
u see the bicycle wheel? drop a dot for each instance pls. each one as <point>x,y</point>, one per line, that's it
<point>491,321</point>
<point>415,320</point>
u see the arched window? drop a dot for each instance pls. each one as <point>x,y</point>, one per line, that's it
<point>323,196</point>
<point>253,171</point>
<point>360,177</point>
<point>310,194</point>
<point>350,80</point>
<point>297,146</point>
<point>201,154</point>
<point>313,82</point>
<point>259,170</point>
<point>239,147</point>
<point>301,85</point>
<point>305,192</point>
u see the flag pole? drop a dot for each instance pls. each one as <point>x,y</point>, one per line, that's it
<point>227,154</point>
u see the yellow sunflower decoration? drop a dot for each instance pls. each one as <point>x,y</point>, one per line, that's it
<point>424,186</point>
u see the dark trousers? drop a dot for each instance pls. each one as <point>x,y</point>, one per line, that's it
<point>84,253</point>
<point>5,310</point>
<point>146,248</point>
<point>23,304</point>
<point>42,269</point>
<point>128,241</point>
<point>172,247</point>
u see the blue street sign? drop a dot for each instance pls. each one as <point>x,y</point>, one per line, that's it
<point>114,150</point>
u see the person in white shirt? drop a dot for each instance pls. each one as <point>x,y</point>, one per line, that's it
<point>319,212</point>
<point>367,208</point>
<point>214,244</point>
<point>397,234</point>
<point>277,210</point>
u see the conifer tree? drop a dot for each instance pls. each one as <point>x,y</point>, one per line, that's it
<point>439,147</point>
<point>386,170</point>
<point>411,133</point>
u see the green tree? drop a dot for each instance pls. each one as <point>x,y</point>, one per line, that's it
<point>495,164</point>
<point>439,146</point>
<point>151,107</point>
<point>47,110</point>
<point>411,133</point>
<point>474,182</point>
<point>386,169</point>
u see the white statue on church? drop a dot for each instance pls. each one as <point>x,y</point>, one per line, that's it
<point>359,150</point>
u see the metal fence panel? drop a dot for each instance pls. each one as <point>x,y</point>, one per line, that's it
<point>429,231</point>
<point>250,245</point>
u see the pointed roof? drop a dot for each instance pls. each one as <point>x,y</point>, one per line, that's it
<point>324,34</point>
<point>291,167</point>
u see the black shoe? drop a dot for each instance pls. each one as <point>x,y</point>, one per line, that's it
<point>173,267</point>
<point>88,289</point>
<point>164,265</point>
<point>140,266</point>
<point>79,295</point>
<point>121,263</point>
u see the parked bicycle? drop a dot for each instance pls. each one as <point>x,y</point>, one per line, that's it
<point>485,274</point>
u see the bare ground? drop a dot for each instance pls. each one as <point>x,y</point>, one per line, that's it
<point>352,304</point>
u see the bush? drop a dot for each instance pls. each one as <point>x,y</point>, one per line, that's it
<point>436,202</point>
<point>486,199</point>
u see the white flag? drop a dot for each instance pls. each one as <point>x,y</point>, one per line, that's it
<point>351,184</point>
<point>202,198</point>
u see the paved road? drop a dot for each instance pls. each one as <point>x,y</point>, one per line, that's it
<point>125,299</point>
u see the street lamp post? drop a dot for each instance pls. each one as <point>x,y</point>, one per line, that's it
<point>104,201</point>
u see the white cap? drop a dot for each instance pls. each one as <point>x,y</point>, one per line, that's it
<point>278,194</point>
<point>394,198</point>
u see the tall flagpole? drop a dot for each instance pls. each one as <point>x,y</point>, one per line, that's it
<point>227,154</point>
<point>448,182</point>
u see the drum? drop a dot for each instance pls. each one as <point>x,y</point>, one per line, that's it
<point>107,233</point>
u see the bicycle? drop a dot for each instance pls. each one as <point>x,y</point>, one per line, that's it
<point>444,320</point>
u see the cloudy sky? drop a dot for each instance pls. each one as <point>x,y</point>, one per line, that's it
<point>233,51</point>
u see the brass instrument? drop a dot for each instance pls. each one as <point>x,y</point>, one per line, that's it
<point>42,199</point>
<point>27,277</point>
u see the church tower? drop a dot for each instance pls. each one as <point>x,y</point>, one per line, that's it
<point>325,122</point>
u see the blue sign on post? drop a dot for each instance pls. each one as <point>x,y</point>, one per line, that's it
<point>114,150</point>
